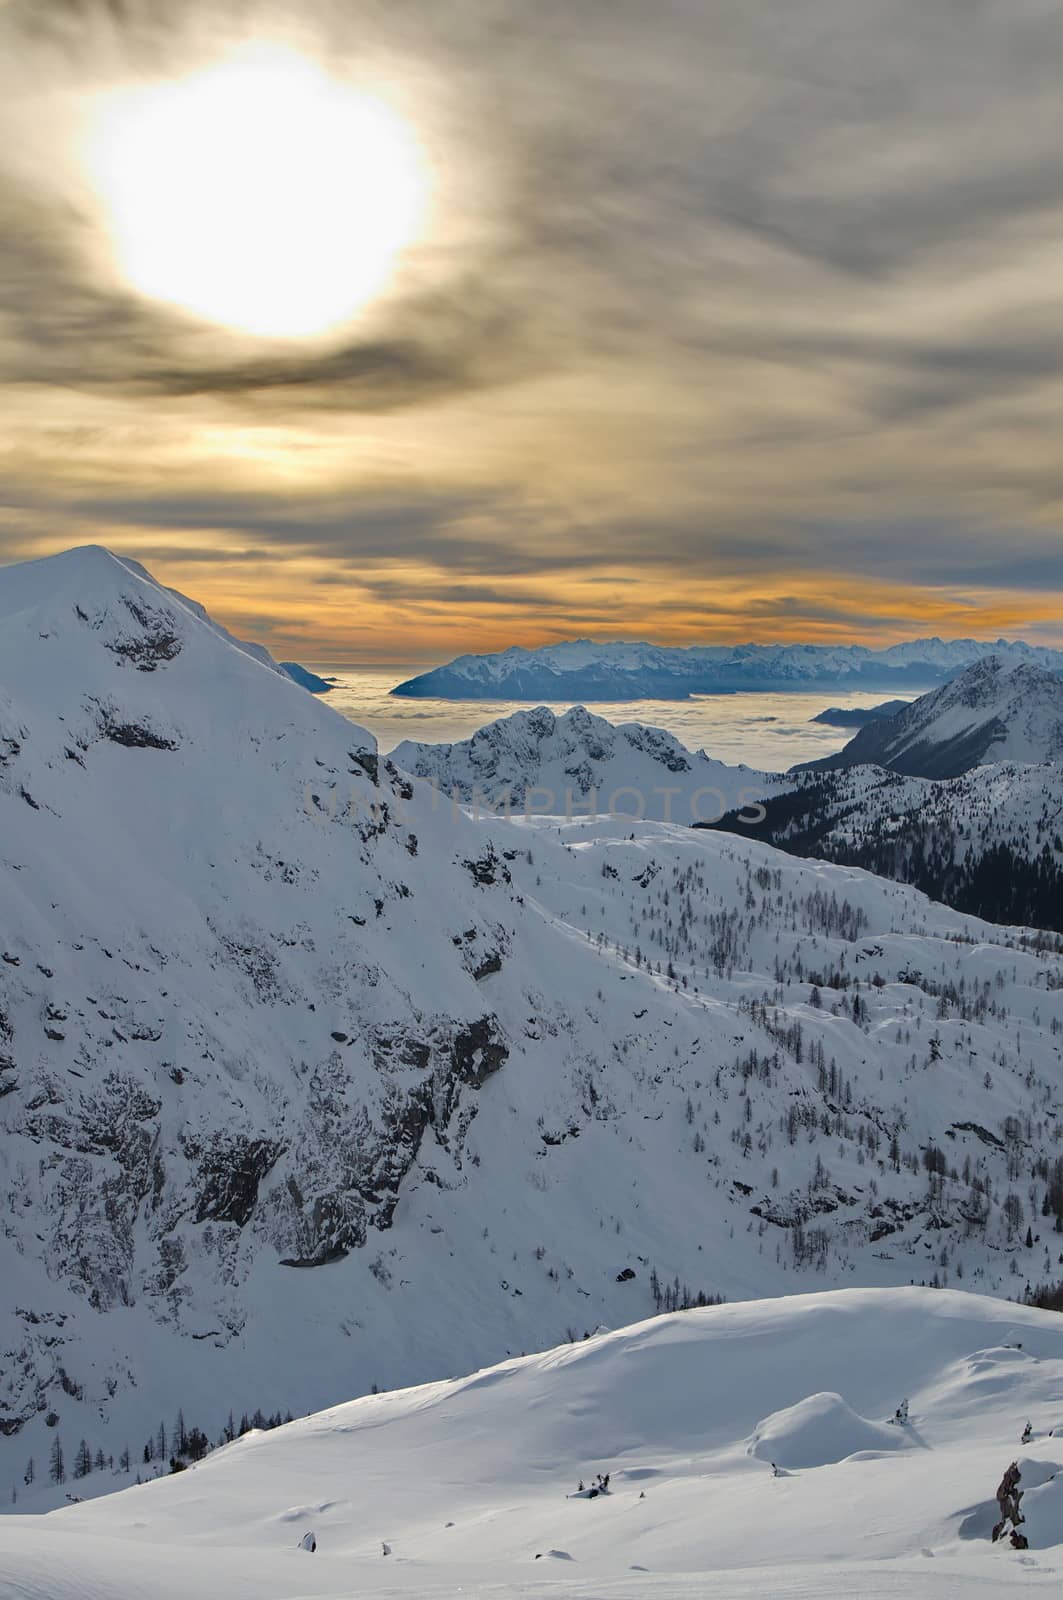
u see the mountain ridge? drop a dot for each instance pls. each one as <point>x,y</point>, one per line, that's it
<point>995,710</point>
<point>551,764</point>
<point>582,670</point>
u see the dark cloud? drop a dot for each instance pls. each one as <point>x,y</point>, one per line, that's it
<point>459,537</point>
<point>326,525</point>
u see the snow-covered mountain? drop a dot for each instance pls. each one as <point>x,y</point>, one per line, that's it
<point>994,711</point>
<point>989,842</point>
<point>473,1487</point>
<point>539,762</point>
<point>582,670</point>
<point>308,1082</point>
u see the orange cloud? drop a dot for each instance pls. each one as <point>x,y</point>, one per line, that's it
<point>414,615</point>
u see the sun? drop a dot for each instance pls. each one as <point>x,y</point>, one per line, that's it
<point>259,193</point>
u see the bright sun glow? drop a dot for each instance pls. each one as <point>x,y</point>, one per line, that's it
<point>260,193</point>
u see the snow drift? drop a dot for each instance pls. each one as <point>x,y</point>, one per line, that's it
<point>818,1431</point>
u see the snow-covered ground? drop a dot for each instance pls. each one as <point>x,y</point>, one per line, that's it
<point>470,1488</point>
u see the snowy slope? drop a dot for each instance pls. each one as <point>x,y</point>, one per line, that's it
<point>541,763</point>
<point>994,711</point>
<point>581,669</point>
<point>470,1487</point>
<point>294,1057</point>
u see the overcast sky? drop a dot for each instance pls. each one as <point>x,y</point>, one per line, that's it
<point>729,319</point>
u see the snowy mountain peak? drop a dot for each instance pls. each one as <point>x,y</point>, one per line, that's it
<point>986,680</point>
<point>119,604</point>
<point>82,577</point>
<point>92,647</point>
<point>549,763</point>
<point>532,737</point>
<point>138,619</point>
<point>996,710</point>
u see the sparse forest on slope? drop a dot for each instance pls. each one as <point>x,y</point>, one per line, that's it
<point>989,843</point>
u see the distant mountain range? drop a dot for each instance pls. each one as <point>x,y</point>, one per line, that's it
<point>582,670</point>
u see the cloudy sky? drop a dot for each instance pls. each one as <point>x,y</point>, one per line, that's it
<point>721,319</point>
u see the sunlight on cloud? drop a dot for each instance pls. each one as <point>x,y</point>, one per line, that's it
<point>260,193</point>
